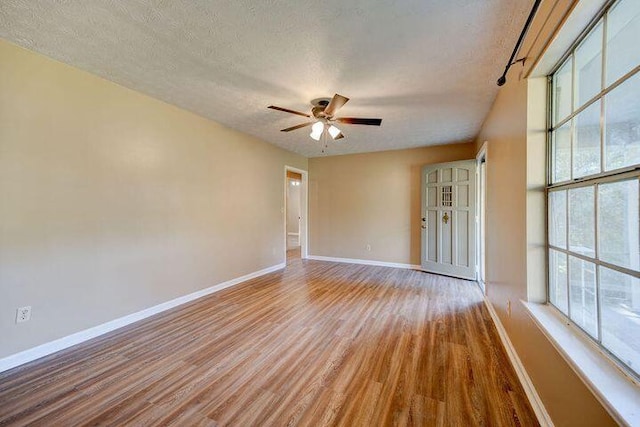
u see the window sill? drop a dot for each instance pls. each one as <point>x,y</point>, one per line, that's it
<point>617,392</point>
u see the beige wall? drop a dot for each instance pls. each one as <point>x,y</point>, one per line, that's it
<point>372,199</point>
<point>112,202</point>
<point>515,221</point>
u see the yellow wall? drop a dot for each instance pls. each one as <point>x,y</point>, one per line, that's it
<point>514,229</point>
<point>372,199</point>
<point>112,202</point>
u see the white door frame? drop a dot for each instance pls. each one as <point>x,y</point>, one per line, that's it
<point>304,203</point>
<point>481,232</point>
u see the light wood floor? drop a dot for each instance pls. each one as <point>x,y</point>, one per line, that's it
<point>316,344</point>
<point>293,255</point>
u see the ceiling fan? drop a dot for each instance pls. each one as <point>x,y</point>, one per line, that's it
<point>323,111</point>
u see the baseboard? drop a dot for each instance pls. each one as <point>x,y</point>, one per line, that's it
<point>536,403</point>
<point>364,261</point>
<point>87,334</point>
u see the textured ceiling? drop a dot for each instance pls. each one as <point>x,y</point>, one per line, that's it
<point>427,68</point>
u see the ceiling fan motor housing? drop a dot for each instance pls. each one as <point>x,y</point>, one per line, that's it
<point>318,112</point>
<point>319,104</point>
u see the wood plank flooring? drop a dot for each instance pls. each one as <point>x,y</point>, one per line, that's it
<point>316,344</point>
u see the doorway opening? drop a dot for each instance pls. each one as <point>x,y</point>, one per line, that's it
<point>295,214</point>
<point>481,171</point>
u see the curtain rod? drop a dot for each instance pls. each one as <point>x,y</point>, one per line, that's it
<point>503,79</point>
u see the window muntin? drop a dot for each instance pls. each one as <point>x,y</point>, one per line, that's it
<point>594,188</point>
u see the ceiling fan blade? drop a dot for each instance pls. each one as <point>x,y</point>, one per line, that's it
<point>286,110</point>
<point>296,127</point>
<point>359,121</point>
<point>336,103</point>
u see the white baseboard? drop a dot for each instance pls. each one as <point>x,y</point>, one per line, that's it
<point>87,334</point>
<point>536,403</point>
<point>364,261</point>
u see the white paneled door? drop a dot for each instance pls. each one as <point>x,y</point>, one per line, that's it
<point>449,219</point>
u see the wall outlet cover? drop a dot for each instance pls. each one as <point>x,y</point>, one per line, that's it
<point>23,314</point>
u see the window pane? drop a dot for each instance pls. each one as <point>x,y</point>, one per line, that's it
<point>622,124</point>
<point>586,146</point>
<point>558,280</point>
<point>623,33</point>
<point>582,221</point>
<point>562,92</point>
<point>618,223</point>
<point>558,219</point>
<point>561,156</point>
<point>620,299</point>
<point>588,59</point>
<point>582,294</point>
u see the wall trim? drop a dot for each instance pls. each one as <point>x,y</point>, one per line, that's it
<point>534,399</point>
<point>365,262</point>
<point>51,347</point>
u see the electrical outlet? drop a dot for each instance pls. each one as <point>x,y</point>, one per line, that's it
<point>23,314</point>
<point>369,248</point>
<point>509,308</point>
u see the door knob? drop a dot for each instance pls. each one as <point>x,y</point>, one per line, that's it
<point>424,227</point>
<point>445,218</point>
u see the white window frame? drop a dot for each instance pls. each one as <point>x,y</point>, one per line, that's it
<point>593,180</point>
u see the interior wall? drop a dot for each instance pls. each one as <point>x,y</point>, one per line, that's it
<point>514,223</point>
<point>113,202</point>
<point>372,201</point>
<point>293,205</point>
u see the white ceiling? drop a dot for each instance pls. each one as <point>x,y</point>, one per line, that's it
<point>426,67</point>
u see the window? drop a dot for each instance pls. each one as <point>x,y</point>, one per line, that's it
<point>593,184</point>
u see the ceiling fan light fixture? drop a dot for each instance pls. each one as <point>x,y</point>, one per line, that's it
<point>316,130</point>
<point>334,131</point>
